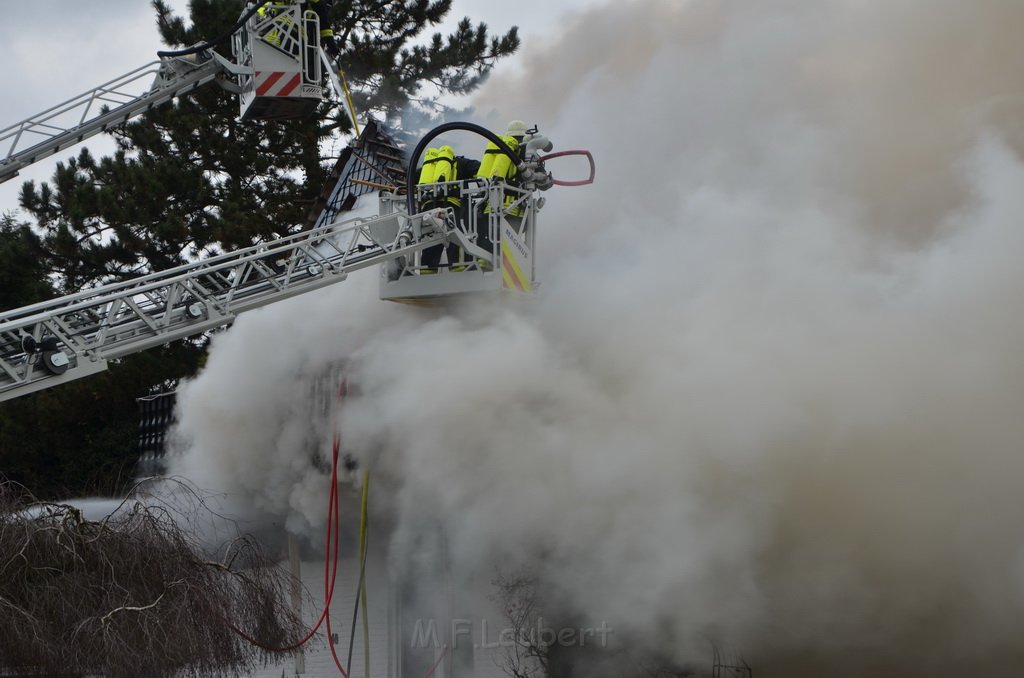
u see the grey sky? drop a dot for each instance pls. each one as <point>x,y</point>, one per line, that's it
<point>55,49</point>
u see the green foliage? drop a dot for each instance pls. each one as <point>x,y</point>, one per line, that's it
<point>23,265</point>
<point>81,437</point>
<point>190,179</point>
<point>388,69</point>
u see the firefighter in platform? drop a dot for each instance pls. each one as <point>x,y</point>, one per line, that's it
<point>328,40</point>
<point>496,165</point>
<point>441,167</point>
<point>322,9</point>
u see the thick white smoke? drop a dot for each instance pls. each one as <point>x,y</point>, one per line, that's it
<point>770,388</point>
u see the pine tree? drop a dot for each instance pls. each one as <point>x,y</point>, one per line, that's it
<point>79,437</point>
<point>388,72</point>
<point>190,179</point>
<point>23,265</point>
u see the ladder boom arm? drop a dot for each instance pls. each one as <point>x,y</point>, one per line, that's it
<point>74,336</point>
<point>104,107</point>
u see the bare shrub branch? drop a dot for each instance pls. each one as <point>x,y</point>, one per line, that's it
<point>133,594</point>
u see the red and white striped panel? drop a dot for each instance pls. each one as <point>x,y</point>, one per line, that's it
<point>277,83</point>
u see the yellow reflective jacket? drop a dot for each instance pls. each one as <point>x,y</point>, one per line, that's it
<point>439,167</point>
<point>323,12</point>
<point>497,165</point>
<point>269,10</point>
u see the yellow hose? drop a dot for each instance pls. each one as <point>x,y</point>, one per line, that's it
<point>362,561</point>
<point>348,99</point>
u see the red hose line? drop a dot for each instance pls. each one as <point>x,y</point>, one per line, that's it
<point>444,651</point>
<point>562,154</point>
<point>331,539</point>
<point>329,590</point>
<point>330,572</point>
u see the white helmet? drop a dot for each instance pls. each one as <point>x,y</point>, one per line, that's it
<point>516,128</point>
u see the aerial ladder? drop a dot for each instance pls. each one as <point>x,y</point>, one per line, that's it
<point>80,334</point>
<point>277,75</point>
<point>55,341</point>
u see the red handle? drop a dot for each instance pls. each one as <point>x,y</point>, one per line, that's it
<point>560,154</point>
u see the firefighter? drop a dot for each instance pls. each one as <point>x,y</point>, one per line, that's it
<point>331,43</point>
<point>322,9</point>
<point>441,166</point>
<point>496,165</point>
<point>270,10</point>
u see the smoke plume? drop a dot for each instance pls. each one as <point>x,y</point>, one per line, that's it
<point>769,390</point>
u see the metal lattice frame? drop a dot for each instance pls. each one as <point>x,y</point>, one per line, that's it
<point>74,336</point>
<point>474,194</point>
<point>104,107</point>
<point>729,665</point>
